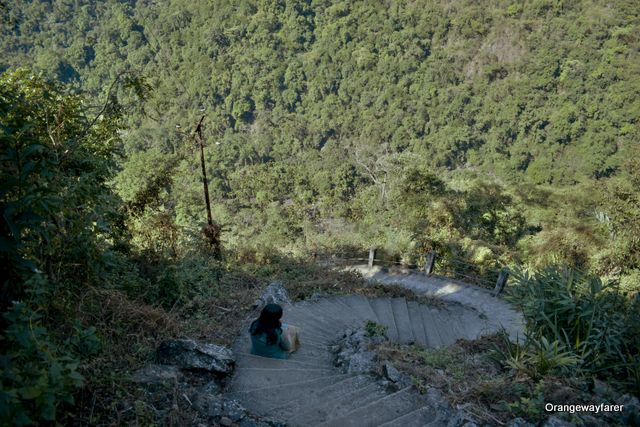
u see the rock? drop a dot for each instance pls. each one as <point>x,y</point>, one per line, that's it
<point>156,374</point>
<point>211,389</point>
<point>361,363</point>
<point>519,422</point>
<point>601,388</point>
<point>462,418</point>
<point>275,293</point>
<point>591,421</point>
<point>189,354</point>
<point>391,373</point>
<point>210,406</point>
<point>233,410</point>
<point>353,353</point>
<point>224,421</point>
<point>631,410</point>
<point>554,421</point>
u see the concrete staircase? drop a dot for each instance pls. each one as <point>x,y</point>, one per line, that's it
<point>308,390</point>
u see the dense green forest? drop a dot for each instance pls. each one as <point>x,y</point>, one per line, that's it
<point>326,121</point>
<point>498,132</point>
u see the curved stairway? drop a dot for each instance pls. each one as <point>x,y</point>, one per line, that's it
<point>308,390</point>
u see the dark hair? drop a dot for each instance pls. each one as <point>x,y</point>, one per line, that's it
<point>268,323</point>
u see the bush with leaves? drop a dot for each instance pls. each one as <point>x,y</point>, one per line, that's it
<point>39,373</point>
<point>576,323</point>
<point>58,216</point>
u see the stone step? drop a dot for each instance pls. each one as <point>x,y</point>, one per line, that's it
<point>344,315</point>
<point>335,407</point>
<point>295,408</point>
<point>423,416</point>
<point>402,320</point>
<point>453,315</point>
<point>252,361</point>
<point>384,313</point>
<point>261,399</point>
<point>379,411</point>
<point>343,310</point>
<point>315,327</point>
<point>416,323</point>
<point>308,354</point>
<point>314,332</point>
<point>431,325</point>
<point>446,328</point>
<point>256,378</point>
<point>321,315</point>
<point>360,304</point>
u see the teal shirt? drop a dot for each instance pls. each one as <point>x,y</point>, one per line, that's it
<point>278,350</point>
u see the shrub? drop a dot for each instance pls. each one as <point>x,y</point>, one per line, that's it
<point>575,322</point>
<point>38,374</point>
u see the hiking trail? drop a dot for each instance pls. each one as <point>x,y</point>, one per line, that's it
<point>307,389</point>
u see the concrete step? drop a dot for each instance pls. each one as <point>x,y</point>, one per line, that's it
<point>260,399</point>
<point>402,320</point>
<point>453,317</point>
<point>321,315</point>
<point>431,325</point>
<point>352,318</point>
<point>423,416</point>
<point>379,411</point>
<point>360,305</point>
<point>445,327</point>
<point>344,315</point>
<point>384,313</point>
<point>247,360</point>
<point>416,323</point>
<point>308,354</point>
<point>256,378</point>
<point>357,318</point>
<point>288,410</point>
<point>315,327</point>
<point>336,407</point>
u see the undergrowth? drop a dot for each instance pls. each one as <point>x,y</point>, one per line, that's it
<point>474,375</point>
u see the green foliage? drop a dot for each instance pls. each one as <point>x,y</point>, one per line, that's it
<point>316,110</point>
<point>58,216</point>
<point>56,206</point>
<point>39,374</point>
<point>541,357</point>
<point>574,323</point>
<point>373,329</point>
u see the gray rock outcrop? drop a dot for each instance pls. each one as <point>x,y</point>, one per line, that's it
<point>192,355</point>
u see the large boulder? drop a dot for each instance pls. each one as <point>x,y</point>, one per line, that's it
<point>192,355</point>
<point>275,293</point>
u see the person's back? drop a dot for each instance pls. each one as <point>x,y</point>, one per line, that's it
<point>277,350</point>
<point>267,334</point>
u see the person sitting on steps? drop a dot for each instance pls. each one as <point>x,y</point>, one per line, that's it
<point>270,337</point>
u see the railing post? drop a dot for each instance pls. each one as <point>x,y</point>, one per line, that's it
<point>430,263</point>
<point>501,282</point>
<point>372,256</point>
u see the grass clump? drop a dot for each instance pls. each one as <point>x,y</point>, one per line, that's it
<point>374,329</point>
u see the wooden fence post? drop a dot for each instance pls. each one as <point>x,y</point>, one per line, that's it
<point>430,263</point>
<point>501,282</point>
<point>372,256</point>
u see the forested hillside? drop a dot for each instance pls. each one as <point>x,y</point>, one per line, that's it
<point>502,133</point>
<point>323,116</point>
